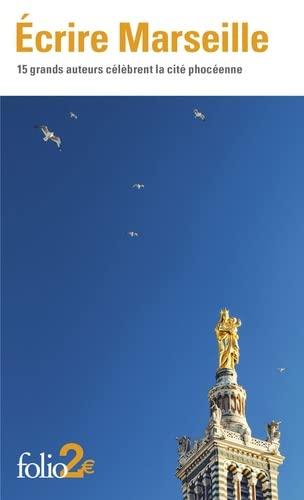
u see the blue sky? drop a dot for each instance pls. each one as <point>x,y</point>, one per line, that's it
<point>109,341</point>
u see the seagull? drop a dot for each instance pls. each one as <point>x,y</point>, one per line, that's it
<point>138,186</point>
<point>72,115</point>
<point>199,114</point>
<point>48,135</point>
<point>133,234</point>
<point>281,370</point>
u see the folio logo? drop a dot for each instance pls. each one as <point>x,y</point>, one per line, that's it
<point>45,469</point>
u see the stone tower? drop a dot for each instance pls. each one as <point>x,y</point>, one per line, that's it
<point>228,463</point>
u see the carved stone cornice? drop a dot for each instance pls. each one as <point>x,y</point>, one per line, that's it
<point>232,448</point>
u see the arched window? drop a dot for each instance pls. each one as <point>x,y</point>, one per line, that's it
<point>220,402</point>
<point>259,490</point>
<point>244,489</point>
<point>230,486</point>
<point>238,404</point>
<point>226,403</point>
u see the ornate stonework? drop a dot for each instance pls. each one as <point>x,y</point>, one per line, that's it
<point>228,463</point>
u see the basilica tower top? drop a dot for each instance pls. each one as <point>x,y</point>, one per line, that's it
<point>227,462</point>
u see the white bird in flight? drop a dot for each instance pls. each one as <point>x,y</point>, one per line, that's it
<point>281,370</point>
<point>198,114</point>
<point>133,234</point>
<point>138,186</point>
<point>49,136</point>
<point>72,115</point>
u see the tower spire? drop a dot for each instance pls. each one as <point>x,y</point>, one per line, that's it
<point>228,463</point>
<point>227,394</point>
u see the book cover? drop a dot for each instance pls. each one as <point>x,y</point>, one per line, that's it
<point>152,246</point>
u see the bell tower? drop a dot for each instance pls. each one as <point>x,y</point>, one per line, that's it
<point>227,463</point>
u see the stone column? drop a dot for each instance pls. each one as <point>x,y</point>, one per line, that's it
<point>219,480</point>
<point>206,483</point>
<point>274,483</point>
<point>237,478</point>
<point>198,490</point>
<point>252,481</point>
<point>222,475</point>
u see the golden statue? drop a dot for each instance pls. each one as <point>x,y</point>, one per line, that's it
<point>227,336</point>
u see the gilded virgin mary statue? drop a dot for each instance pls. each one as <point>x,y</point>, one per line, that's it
<point>227,337</point>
